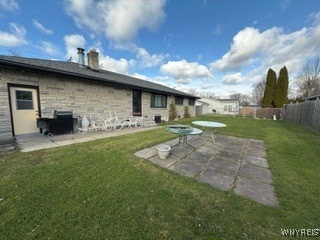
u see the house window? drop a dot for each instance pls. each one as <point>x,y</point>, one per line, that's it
<point>225,108</point>
<point>230,108</point>
<point>178,100</point>
<point>158,100</point>
<point>191,102</point>
<point>24,100</point>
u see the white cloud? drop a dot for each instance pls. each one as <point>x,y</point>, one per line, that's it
<point>41,27</point>
<point>184,72</point>
<point>119,66</point>
<point>141,76</point>
<point>144,58</point>
<point>233,79</point>
<point>72,42</point>
<point>16,36</point>
<point>148,60</point>
<point>9,5</point>
<point>246,44</point>
<point>256,52</point>
<point>49,48</point>
<point>118,20</point>
<point>162,80</point>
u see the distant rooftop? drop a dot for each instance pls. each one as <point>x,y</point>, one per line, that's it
<point>312,98</point>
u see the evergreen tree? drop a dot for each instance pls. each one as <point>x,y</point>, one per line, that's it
<point>281,96</point>
<point>172,111</point>
<point>270,89</point>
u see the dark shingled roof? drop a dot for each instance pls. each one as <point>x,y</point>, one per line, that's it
<point>71,69</point>
<point>312,98</point>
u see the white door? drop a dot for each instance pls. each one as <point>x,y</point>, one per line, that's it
<point>24,107</point>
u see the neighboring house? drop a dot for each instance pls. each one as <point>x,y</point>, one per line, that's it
<point>32,88</point>
<point>218,106</point>
<point>312,98</point>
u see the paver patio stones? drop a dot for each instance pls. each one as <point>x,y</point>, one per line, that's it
<point>146,153</point>
<point>231,164</point>
<point>256,172</point>
<point>166,163</point>
<point>258,191</point>
<point>262,162</point>
<point>233,148</point>
<point>229,154</point>
<point>182,150</point>
<point>196,142</point>
<point>185,168</point>
<point>256,152</point>
<point>216,179</point>
<point>225,165</point>
<point>209,150</point>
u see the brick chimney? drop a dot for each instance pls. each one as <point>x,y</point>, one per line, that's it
<point>93,59</point>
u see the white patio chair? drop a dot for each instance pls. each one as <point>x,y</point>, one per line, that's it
<point>119,122</point>
<point>137,122</point>
<point>108,123</point>
<point>96,122</point>
<point>84,125</point>
<point>129,122</point>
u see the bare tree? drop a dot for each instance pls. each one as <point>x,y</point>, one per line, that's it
<point>244,100</point>
<point>308,78</point>
<point>258,91</point>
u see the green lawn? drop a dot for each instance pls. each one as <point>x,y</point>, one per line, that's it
<point>100,190</point>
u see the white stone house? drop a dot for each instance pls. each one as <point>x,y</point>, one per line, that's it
<point>33,88</point>
<point>218,106</point>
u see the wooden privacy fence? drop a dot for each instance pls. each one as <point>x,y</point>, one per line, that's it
<point>306,114</point>
<point>263,113</point>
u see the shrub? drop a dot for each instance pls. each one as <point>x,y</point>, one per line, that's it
<point>172,111</point>
<point>186,113</point>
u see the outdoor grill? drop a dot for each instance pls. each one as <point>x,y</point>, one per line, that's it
<point>61,122</point>
<point>62,114</point>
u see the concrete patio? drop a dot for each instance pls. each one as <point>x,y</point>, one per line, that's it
<point>231,164</point>
<point>37,141</point>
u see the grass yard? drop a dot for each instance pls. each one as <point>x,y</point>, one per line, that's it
<point>100,190</point>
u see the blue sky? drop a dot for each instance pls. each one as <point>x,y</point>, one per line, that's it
<point>204,47</point>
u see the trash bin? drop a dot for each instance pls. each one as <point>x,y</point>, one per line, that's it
<point>157,119</point>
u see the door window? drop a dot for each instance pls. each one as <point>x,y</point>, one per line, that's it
<point>24,100</point>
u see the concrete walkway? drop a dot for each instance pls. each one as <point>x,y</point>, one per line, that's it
<point>234,164</point>
<point>37,141</point>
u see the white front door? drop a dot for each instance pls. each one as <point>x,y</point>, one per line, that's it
<point>24,107</point>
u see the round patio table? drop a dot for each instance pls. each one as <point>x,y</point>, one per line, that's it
<point>183,131</point>
<point>209,124</point>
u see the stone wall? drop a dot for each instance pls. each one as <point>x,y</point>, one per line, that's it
<point>164,112</point>
<point>83,98</point>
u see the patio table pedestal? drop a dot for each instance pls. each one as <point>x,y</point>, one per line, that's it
<point>209,124</point>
